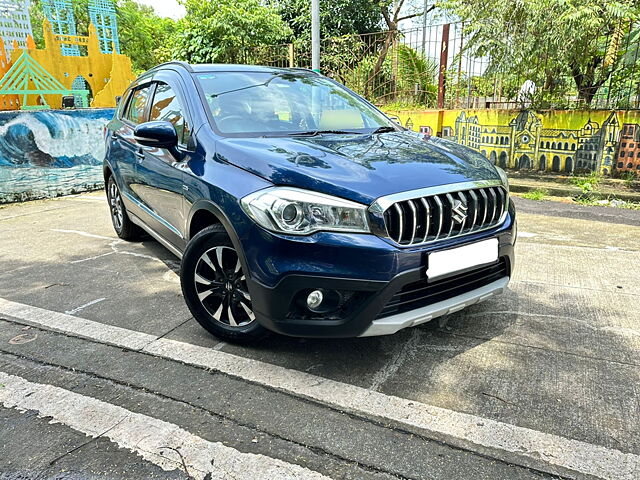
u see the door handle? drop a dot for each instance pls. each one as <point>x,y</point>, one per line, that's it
<point>139,155</point>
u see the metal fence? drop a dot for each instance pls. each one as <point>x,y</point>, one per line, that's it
<point>431,67</point>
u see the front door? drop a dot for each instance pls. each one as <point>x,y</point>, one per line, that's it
<point>160,174</point>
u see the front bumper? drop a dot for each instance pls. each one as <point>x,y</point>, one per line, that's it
<point>371,274</point>
<point>393,323</point>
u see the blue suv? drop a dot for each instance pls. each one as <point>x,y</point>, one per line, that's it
<point>299,207</point>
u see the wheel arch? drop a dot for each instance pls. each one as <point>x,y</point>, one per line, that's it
<point>204,210</point>
<point>107,171</point>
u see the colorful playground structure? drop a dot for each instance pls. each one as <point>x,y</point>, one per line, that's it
<point>90,69</point>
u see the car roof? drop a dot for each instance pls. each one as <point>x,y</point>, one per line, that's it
<point>227,67</point>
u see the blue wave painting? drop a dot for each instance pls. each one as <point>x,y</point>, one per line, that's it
<point>51,153</point>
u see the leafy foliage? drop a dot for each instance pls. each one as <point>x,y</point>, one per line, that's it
<point>537,194</point>
<point>416,77</point>
<point>337,18</point>
<point>220,30</point>
<point>561,45</point>
<point>144,36</point>
<point>587,183</point>
<point>405,77</point>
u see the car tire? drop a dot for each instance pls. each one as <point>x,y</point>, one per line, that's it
<point>122,224</point>
<point>215,288</point>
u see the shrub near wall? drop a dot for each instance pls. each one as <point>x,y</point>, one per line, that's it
<point>559,141</point>
<point>51,152</point>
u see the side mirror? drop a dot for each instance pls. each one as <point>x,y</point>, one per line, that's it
<point>156,134</point>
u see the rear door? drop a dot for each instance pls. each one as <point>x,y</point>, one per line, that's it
<point>121,164</point>
<point>159,175</point>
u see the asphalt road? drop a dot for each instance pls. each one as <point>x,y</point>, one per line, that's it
<point>104,374</point>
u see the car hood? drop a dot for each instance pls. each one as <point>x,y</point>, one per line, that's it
<point>357,167</point>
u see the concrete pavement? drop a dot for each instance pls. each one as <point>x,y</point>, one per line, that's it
<point>556,357</point>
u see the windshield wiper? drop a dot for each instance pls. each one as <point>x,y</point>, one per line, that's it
<point>313,133</point>
<point>384,129</point>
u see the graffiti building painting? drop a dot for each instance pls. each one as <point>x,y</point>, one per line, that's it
<point>628,158</point>
<point>524,144</point>
<point>560,141</point>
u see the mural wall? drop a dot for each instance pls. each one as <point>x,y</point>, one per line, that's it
<point>559,141</point>
<point>51,152</point>
<point>90,70</point>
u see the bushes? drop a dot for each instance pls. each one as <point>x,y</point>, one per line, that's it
<point>405,77</point>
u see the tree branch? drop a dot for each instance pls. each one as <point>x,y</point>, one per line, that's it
<point>385,14</point>
<point>397,10</point>
<point>407,17</point>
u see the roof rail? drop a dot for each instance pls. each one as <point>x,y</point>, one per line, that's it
<point>185,65</point>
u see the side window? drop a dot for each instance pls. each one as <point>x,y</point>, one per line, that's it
<point>122,104</point>
<point>137,105</point>
<point>166,107</point>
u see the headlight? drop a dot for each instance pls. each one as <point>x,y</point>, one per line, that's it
<point>300,212</point>
<point>503,177</point>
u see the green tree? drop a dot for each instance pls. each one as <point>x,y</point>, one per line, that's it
<point>393,12</point>
<point>337,17</point>
<point>144,36</point>
<point>221,30</point>
<point>407,79</point>
<point>550,41</point>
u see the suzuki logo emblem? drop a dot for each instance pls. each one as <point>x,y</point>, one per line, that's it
<point>459,211</point>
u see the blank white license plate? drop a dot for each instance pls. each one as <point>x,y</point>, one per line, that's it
<point>462,258</point>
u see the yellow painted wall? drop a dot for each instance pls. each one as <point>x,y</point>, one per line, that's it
<point>567,141</point>
<point>7,102</point>
<point>108,74</point>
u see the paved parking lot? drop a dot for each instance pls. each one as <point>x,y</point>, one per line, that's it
<point>541,382</point>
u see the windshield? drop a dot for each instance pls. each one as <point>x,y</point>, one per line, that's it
<point>276,103</point>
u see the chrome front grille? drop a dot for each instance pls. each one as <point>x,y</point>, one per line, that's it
<point>442,212</point>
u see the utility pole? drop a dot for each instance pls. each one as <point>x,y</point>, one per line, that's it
<point>315,35</point>
<point>424,29</point>
<point>444,56</point>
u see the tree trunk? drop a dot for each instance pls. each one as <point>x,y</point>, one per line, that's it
<point>388,40</point>
<point>586,81</point>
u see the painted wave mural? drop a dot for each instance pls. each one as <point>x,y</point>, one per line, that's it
<point>50,153</point>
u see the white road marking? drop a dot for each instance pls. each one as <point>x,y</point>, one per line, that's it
<point>95,257</point>
<point>524,446</point>
<point>82,307</point>
<point>81,233</point>
<point>136,254</point>
<point>65,323</point>
<point>114,242</point>
<point>527,234</point>
<point>154,440</point>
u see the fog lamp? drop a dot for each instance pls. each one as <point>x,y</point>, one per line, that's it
<point>314,300</point>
